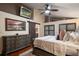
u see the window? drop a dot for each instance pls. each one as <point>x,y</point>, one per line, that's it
<point>49,30</point>
<point>67,27</point>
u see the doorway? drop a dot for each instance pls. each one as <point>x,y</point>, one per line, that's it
<point>32,31</point>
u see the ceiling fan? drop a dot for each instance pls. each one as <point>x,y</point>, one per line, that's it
<point>47,9</point>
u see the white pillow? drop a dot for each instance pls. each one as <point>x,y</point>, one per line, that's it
<point>77,34</point>
<point>66,36</point>
<point>77,37</point>
<point>74,37</point>
<point>73,34</point>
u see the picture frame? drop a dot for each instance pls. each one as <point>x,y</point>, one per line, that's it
<point>25,12</point>
<point>14,25</point>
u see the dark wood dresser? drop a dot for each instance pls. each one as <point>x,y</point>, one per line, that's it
<point>14,43</point>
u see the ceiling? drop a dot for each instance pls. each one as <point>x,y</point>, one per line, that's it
<point>65,9</point>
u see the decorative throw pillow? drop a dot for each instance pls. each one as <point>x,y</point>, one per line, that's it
<point>76,38</point>
<point>66,36</point>
<point>73,34</point>
<point>61,34</point>
<point>72,39</point>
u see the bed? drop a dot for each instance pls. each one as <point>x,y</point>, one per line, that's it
<point>49,45</point>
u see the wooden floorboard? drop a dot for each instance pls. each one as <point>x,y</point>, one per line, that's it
<point>16,53</point>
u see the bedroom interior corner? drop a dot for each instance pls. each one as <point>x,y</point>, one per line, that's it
<point>39,29</point>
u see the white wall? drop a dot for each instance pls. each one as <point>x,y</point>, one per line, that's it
<point>56,23</point>
<point>39,18</point>
<point>36,18</point>
<point>4,15</point>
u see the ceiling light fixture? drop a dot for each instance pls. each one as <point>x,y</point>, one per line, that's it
<point>47,11</point>
<point>49,7</point>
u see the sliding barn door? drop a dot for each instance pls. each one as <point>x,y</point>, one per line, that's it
<point>32,31</point>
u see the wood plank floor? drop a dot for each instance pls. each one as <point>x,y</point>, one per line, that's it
<point>16,53</point>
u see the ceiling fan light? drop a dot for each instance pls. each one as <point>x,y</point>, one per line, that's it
<point>47,11</point>
<point>49,7</point>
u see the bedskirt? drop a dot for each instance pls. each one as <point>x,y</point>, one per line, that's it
<point>40,52</point>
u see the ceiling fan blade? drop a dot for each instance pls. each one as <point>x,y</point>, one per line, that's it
<point>42,12</point>
<point>48,6</point>
<point>41,9</point>
<point>53,9</point>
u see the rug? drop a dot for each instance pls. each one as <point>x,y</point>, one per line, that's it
<point>29,54</point>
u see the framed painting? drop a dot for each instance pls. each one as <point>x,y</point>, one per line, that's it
<point>14,25</point>
<point>25,12</point>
